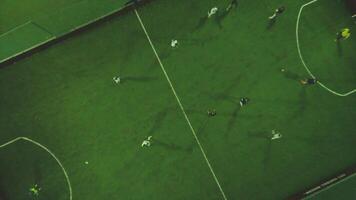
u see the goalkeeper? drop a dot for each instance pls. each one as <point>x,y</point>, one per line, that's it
<point>343,34</point>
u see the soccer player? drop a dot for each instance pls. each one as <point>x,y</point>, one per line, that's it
<point>276,135</point>
<point>174,43</point>
<point>211,113</point>
<point>35,190</point>
<point>343,34</point>
<point>117,80</point>
<point>308,81</point>
<point>233,4</point>
<point>212,12</point>
<point>244,101</point>
<point>278,11</point>
<point>147,142</point>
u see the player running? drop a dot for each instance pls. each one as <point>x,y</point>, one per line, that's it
<point>147,142</point>
<point>174,43</point>
<point>343,34</point>
<point>35,190</point>
<point>212,12</point>
<point>276,135</point>
<point>277,12</point>
<point>244,101</point>
<point>308,81</point>
<point>117,80</point>
<point>211,113</point>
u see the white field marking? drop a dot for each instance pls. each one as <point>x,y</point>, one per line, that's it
<point>48,151</point>
<point>14,29</point>
<point>305,65</point>
<point>181,106</point>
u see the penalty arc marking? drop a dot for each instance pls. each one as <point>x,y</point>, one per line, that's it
<point>302,59</point>
<point>48,151</point>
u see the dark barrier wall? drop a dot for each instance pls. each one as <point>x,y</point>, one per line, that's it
<point>351,5</point>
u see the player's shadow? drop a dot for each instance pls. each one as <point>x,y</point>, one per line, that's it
<point>270,23</point>
<point>172,147</point>
<point>291,75</point>
<point>202,127</point>
<point>220,16</point>
<point>302,104</point>
<point>158,121</point>
<point>196,111</point>
<point>37,173</point>
<point>202,21</point>
<point>3,195</point>
<point>267,152</point>
<point>233,118</point>
<point>339,48</point>
<point>139,79</point>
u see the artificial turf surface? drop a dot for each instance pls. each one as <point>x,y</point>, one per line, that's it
<point>64,97</point>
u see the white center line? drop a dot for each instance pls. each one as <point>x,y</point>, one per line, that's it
<point>181,106</point>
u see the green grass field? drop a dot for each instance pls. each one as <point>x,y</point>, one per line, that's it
<point>15,13</point>
<point>64,98</point>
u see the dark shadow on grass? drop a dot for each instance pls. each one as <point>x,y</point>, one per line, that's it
<point>225,94</point>
<point>170,146</point>
<point>201,23</point>
<point>271,23</point>
<point>339,48</point>
<point>202,127</point>
<point>258,134</point>
<point>37,173</point>
<point>220,18</point>
<point>3,195</point>
<point>233,119</point>
<point>195,111</point>
<point>159,118</point>
<point>291,75</point>
<point>267,152</point>
<point>221,97</point>
<point>303,103</point>
<point>142,79</point>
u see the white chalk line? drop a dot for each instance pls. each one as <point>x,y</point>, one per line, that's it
<point>48,151</point>
<point>305,65</point>
<point>181,106</point>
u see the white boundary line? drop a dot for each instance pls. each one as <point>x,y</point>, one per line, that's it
<point>14,29</point>
<point>181,106</point>
<point>302,59</point>
<point>329,186</point>
<point>28,49</point>
<point>61,35</point>
<point>48,151</point>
